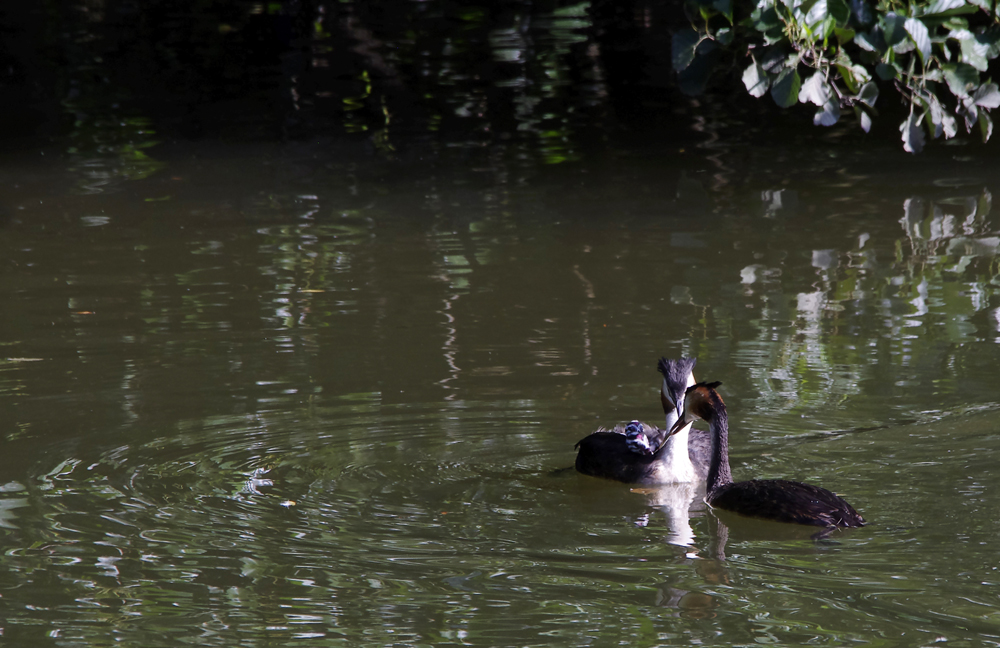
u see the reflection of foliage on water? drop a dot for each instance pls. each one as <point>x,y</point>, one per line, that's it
<point>101,165</point>
<point>106,143</point>
<point>527,79</point>
<point>929,292</point>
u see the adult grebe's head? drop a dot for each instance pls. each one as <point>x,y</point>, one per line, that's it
<point>699,403</point>
<point>678,375</point>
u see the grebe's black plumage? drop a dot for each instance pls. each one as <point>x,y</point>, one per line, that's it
<point>638,453</point>
<point>772,499</point>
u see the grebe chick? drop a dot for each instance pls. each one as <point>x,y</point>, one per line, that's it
<point>638,453</point>
<point>772,499</point>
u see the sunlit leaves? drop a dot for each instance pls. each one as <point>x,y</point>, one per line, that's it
<point>947,8</point>
<point>838,54</point>
<point>854,76</point>
<point>987,96</point>
<point>863,119</point>
<point>828,114</point>
<point>937,118</point>
<point>921,37</point>
<point>868,94</point>
<point>960,78</point>
<point>971,116</point>
<point>913,134</point>
<point>815,90</point>
<point>873,41</point>
<point>974,52</point>
<point>755,79</point>
<point>817,14</point>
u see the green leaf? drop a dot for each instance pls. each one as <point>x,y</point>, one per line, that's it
<point>756,80</point>
<point>683,47</point>
<point>825,29</point>
<point>815,90</point>
<point>850,80</point>
<point>817,14</point>
<point>839,10</point>
<point>692,79</point>
<point>885,71</point>
<point>864,120</point>
<point>971,115</point>
<point>864,41</point>
<point>872,41</point>
<point>802,8</point>
<point>828,114</point>
<point>844,35</point>
<point>921,37</point>
<point>764,18</point>
<point>774,61</point>
<point>894,27</point>
<point>948,8</point>
<point>724,7</point>
<point>986,126</point>
<point>862,12</point>
<point>785,89</point>
<point>974,53</point>
<point>913,134</point>
<point>975,48</point>
<point>904,46</point>
<point>724,36</point>
<point>987,96</point>
<point>960,78</point>
<point>992,38</point>
<point>949,125</point>
<point>953,23</point>
<point>934,114</point>
<point>766,21</point>
<point>868,94</point>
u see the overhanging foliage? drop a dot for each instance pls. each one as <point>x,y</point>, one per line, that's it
<point>838,54</point>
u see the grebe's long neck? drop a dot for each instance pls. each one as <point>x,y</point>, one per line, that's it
<point>675,456</point>
<point>671,416</point>
<point>719,473</point>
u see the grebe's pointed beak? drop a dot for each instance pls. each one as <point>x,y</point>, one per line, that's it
<point>678,426</point>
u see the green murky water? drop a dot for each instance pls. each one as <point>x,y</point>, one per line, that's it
<point>332,409</point>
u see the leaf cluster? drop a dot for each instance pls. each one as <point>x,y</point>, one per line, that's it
<point>838,54</point>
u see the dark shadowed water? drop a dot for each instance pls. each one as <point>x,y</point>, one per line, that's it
<point>255,400</point>
<point>308,368</point>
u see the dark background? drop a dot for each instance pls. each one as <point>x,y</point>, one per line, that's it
<point>402,78</point>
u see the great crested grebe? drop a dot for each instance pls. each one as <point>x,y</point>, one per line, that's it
<point>638,453</point>
<point>772,499</point>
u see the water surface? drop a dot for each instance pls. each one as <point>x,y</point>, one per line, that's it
<point>269,409</point>
<point>295,349</point>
